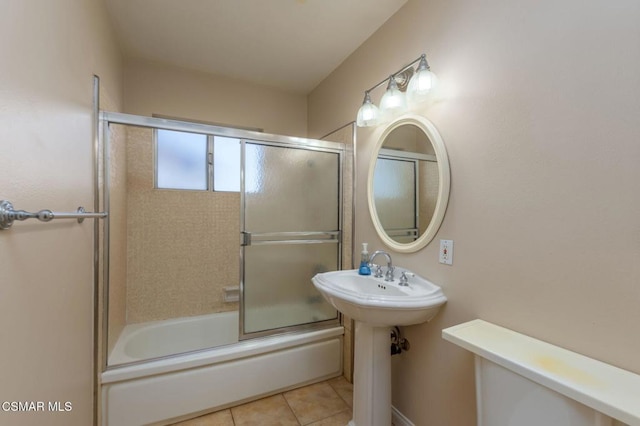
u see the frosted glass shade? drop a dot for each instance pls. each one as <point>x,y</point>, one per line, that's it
<point>421,86</point>
<point>368,114</point>
<point>393,102</point>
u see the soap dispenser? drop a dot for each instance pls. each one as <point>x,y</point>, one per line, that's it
<point>364,261</point>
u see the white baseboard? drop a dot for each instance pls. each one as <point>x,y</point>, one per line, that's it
<point>399,419</point>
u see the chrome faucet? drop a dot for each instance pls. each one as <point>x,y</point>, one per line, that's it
<point>378,274</point>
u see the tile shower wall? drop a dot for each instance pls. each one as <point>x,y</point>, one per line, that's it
<point>182,246</point>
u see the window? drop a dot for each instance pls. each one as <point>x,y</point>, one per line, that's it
<point>181,160</point>
<point>197,162</point>
<point>226,164</point>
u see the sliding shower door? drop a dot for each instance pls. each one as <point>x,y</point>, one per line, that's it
<point>290,231</point>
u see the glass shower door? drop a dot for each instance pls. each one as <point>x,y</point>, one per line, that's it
<point>290,232</point>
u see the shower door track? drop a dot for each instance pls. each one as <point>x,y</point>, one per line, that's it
<point>109,117</point>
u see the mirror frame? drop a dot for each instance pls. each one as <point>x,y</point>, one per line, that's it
<point>444,183</point>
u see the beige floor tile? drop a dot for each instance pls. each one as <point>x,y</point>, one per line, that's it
<point>340,419</point>
<point>343,388</point>
<point>219,418</point>
<point>315,402</point>
<point>271,411</point>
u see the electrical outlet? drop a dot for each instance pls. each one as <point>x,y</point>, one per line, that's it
<point>446,252</point>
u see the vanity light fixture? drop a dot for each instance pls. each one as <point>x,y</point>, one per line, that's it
<point>418,85</point>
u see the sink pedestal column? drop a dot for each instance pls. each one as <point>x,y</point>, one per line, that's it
<point>372,376</point>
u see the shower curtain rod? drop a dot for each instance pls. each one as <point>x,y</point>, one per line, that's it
<point>8,215</point>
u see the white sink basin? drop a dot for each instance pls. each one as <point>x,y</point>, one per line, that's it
<point>380,303</point>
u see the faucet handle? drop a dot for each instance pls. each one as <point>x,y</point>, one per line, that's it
<point>404,280</point>
<point>378,270</point>
<point>389,275</point>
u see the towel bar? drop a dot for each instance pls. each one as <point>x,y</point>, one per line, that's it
<point>8,215</point>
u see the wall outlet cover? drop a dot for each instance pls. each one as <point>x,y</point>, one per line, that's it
<point>446,252</point>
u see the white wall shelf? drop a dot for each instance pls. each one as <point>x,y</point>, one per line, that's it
<point>600,386</point>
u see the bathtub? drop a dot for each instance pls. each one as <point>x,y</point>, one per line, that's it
<point>173,388</point>
<point>157,339</point>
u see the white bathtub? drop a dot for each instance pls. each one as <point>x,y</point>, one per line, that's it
<point>156,339</point>
<point>166,390</point>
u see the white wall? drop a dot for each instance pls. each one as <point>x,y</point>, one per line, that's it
<point>541,126</point>
<point>49,53</point>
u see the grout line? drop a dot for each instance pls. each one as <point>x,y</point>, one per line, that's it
<point>329,416</point>
<point>298,420</point>
<point>291,409</point>
<point>349,403</point>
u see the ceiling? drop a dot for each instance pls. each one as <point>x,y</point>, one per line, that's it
<point>288,44</point>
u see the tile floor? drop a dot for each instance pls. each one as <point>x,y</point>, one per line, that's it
<point>322,404</point>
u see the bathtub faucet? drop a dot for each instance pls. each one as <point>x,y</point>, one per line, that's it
<point>378,274</point>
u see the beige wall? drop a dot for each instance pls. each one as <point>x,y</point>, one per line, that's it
<point>541,126</point>
<point>154,88</point>
<point>50,51</point>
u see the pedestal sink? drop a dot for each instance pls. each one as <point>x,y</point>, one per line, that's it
<point>376,305</point>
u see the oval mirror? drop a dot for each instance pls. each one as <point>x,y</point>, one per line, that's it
<point>408,183</point>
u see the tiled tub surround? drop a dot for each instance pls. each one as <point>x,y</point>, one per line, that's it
<point>177,264</point>
<point>164,268</point>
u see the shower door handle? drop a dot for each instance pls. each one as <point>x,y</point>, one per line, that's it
<point>297,237</point>
<point>245,238</point>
